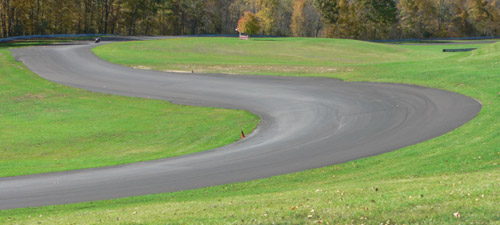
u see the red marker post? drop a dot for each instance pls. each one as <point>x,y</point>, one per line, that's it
<point>242,134</point>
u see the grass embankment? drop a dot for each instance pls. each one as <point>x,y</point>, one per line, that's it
<point>264,56</point>
<point>48,127</point>
<point>452,179</point>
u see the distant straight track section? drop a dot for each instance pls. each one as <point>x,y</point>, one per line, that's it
<point>306,123</point>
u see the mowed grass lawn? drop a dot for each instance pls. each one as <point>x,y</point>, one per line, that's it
<point>47,127</point>
<point>264,56</point>
<point>451,179</point>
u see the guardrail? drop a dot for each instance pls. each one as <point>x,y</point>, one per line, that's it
<point>50,36</point>
<point>228,35</point>
<point>110,35</point>
<point>438,39</point>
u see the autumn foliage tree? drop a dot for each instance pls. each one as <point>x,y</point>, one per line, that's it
<point>357,19</point>
<point>248,24</point>
<point>380,16</point>
<point>306,21</point>
<point>417,18</point>
<point>298,19</point>
<point>329,10</point>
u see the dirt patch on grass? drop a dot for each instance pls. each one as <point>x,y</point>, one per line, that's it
<point>28,96</point>
<point>142,67</point>
<point>19,67</point>
<point>257,69</point>
<point>179,71</point>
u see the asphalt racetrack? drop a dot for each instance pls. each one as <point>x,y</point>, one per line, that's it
<point>306,123</point>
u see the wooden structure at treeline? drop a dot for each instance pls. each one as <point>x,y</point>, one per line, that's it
<point>243,36</point>
<point>358,19</point>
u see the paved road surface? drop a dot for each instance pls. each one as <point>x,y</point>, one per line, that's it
<point>306,123</point>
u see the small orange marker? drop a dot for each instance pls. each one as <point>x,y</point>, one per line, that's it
<point>242,134</point>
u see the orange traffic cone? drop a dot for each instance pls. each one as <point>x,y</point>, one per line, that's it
<point>242,134</point>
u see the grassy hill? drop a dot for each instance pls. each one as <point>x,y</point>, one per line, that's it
<point>451,179</point>
<point>263,56</point>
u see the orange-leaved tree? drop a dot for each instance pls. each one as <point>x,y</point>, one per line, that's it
<point>248,24</point>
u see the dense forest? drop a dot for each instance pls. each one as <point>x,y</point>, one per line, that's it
<point>358,19</point>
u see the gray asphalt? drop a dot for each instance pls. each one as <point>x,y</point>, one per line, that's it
<point>306,123</point>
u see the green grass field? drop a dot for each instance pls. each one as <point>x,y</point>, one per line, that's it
<point>451,179</point>
<point>263,56</point>
<point>47,127</point>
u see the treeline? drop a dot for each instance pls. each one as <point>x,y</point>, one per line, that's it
<point>358,19</point>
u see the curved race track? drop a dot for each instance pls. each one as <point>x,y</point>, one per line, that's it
<point>306,123</point>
